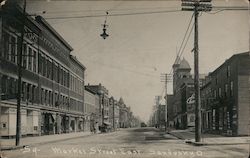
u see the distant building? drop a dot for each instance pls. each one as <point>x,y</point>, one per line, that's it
<point>226,97</point>
<point>123,114</point>
<point>116,113</point>
<point>103,113</point>
<point>181,78</point>
<point>170,111</point>
<point>91,110</point>
<point>161,113</point>
<point>183,91</point>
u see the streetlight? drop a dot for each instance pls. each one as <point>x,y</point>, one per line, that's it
<point>104,35</point>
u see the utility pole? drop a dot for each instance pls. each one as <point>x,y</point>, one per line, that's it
<point>166,78</point>
<point>1,51</point>
<point>20,55</point>
<point>113,114</point>
<point>197,6</point>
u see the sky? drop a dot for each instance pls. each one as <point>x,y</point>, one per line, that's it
<point>141,47</point>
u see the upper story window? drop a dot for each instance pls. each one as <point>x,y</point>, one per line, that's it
<point>226,89</point>
<point>5,45</point>
<point>215,93</point>
<point>228,71</point>
<point>9,47</point>
<point>30,58</point>
<point>220,94</point>
<point>13,54</point>
<point>231,88</point>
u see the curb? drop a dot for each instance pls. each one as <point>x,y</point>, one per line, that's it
<point>211,144</point>
<point>42,143</point>
<point>177,136</point>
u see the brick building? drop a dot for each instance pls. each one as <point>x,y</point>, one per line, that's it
<point>52,79</point>
<point>91,110</point>
<point>226,97</point>
<point>103,110</point>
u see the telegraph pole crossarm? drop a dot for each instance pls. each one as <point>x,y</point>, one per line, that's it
<point>197,6</point>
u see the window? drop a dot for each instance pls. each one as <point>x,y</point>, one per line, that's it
<point>28,92</point>
<point>215,94</point>
<point>3,84</point>
<point>30,54</point>
<point>44,66</point>
<point>55,72</point>
<point>231,88</point>
<point>34,60</point>
<point>219,92</point>
<point>46,97</point>
<point>57,104</point>
<point>42,96</point>
<point>226,89</point>
<point>5,45</point>
<point>25,56</point>
<point>49,69</point>
<point>40,65</point>
<point>13,49</point>
<point>33,94</point>
<point>23,91</point>
<point>228,71</point>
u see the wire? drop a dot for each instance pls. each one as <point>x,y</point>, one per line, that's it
<point>101,10</point>
<point>182,48</point>
<point>184,38</point>
<point>121,14</point>
<point>187,40</point>
<point>121,68</point>
<point>171,71</point>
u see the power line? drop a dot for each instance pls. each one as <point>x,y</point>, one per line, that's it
<point>182,48</point>
<point>183,41</point>
<point>119,14</point>
<point>187,40</point>
<point>115,10</point>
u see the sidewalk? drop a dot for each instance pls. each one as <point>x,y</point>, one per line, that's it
<point>9,144</point>
<point>209,139</point>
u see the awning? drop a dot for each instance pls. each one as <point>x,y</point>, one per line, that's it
<point>107,123</point>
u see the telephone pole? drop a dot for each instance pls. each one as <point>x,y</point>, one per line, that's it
<point>20,59</point>
<point>166,78</point>
<point>197,6</point>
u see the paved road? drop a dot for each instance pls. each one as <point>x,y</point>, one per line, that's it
<point>141,142</point>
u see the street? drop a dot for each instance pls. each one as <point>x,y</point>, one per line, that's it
<point>135,142</point>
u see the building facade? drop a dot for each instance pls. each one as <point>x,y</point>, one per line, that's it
<point>123,114</point>
<point>181,79</point>
<point>113,113</point>
<point>226,97</point>
<point>52,79</point>
<point>170,111</point>
<point>103,113</point>
<point>91,110</point>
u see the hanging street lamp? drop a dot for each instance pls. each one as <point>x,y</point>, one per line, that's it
<point>104,35</point>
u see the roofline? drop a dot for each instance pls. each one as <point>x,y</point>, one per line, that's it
<point>76,61</point>
<point>89,90</point>
<point>228,60</point>
<point>53,31</point>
